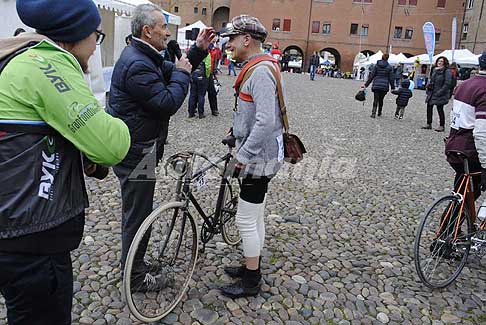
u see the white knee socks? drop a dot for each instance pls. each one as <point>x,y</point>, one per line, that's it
<point>247,217</point>
<point>261,223</point>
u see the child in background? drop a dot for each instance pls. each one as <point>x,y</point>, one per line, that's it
<point>404,94</point>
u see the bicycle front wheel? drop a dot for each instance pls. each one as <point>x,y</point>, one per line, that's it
<point>160,262</point>
<point>229,230</point>
<point>442,242</point>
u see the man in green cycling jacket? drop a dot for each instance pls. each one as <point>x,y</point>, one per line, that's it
<point>48,119</point>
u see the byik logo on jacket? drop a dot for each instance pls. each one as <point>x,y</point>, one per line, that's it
<point>51,74</point>
<point>50,165</point>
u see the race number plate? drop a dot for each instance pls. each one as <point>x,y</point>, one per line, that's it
<point>201,182</point>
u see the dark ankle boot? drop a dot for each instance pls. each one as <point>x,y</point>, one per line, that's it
<point>373,112</point>
<point>237,271</point>
<point>249,285</point>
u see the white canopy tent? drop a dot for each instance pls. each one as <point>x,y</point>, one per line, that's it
<point>181,33</point>
<point>461,57</point>
<point>115,24</point>
<point>423,58</point>
<point>126,7</point>
<point>396,59</point>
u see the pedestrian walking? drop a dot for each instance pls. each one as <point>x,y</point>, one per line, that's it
<point>437,93</point>
<point>454,77</point>
<point>382,77</point>
<point>275,52</point>
<point>198,90</point>
<point>145,92</point>
<point>314,63</point>
<point>398,76</point>
<point>257,127</point>
<point>210,70</point>
<point>48,117</point>
<point>231,63</point>
<point>404,94</point>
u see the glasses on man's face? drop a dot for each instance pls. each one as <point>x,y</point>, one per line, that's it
<point>100,37</point>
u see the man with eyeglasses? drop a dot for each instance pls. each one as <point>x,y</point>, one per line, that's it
<point>145,92</point>
<point>48,117</point>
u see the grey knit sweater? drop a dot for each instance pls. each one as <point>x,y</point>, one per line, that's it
<point>257,125</point>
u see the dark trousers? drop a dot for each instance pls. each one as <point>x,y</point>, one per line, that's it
<point>254,188</point>
<point>378,101</point>
<point>137,204</point>
<point>196,97</point>
<point>474,166</point>
<point>212,96</point>
<point>37,289</point>
<point>430,113</point>
<point>400,110</point>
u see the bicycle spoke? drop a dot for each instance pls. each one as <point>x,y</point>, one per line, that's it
<point>167,242</point>
<point>438,257</point>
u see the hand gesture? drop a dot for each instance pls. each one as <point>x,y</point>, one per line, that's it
<point>183,63</point>
<point>205,37</point>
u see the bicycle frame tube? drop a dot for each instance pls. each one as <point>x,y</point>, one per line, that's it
<point>462,191</point>
<point>171,228</point>
<point>200,211</point>
<point>205,169</point>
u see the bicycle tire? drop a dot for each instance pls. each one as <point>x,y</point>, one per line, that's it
<point>152,306</point>
<point>440,243</point>
<point>229,230</point>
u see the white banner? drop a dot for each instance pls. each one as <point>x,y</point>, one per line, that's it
<point>454,34</point>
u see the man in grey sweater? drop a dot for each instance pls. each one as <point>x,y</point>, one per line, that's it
<point>257,127</point>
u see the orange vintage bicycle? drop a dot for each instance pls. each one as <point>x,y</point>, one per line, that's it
<point>447,233</point>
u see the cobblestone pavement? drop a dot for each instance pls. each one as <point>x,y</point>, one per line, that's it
<point>340,227</point>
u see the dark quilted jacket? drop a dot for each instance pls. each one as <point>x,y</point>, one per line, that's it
<point>382,77</point>
<point>404,94</point>
<point>145,92</point>
<point>439,87</point>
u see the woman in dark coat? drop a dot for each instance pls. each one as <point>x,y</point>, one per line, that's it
<point>383,78</point>
<point>438,90</point>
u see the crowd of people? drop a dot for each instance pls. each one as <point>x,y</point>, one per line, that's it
<point>439,89</point>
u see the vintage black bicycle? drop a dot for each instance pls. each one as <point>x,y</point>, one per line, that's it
<point>167,240</point>
<point>448,232</point>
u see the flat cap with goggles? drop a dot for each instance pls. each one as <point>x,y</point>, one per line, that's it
<point>244,24</point>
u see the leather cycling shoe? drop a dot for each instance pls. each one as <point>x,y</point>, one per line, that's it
<point>234,271</point>
<point>239,290</point>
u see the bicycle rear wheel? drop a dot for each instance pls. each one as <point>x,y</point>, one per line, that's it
<point>439,258</point>
<point>229,230</point>
<point>166,248</point>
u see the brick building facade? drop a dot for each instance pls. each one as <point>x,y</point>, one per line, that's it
<point>342,28</point>
<point>473,32</point>
<point>347,27</point>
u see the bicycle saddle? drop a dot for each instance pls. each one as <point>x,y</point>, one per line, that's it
<point>229,141</point>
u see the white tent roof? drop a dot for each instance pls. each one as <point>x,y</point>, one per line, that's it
<point>127,6</point>
<point>424,59</point>
<point>395,59</point>
<point>462,57</point>
<point>371,60</point>
<point>181,33</point>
